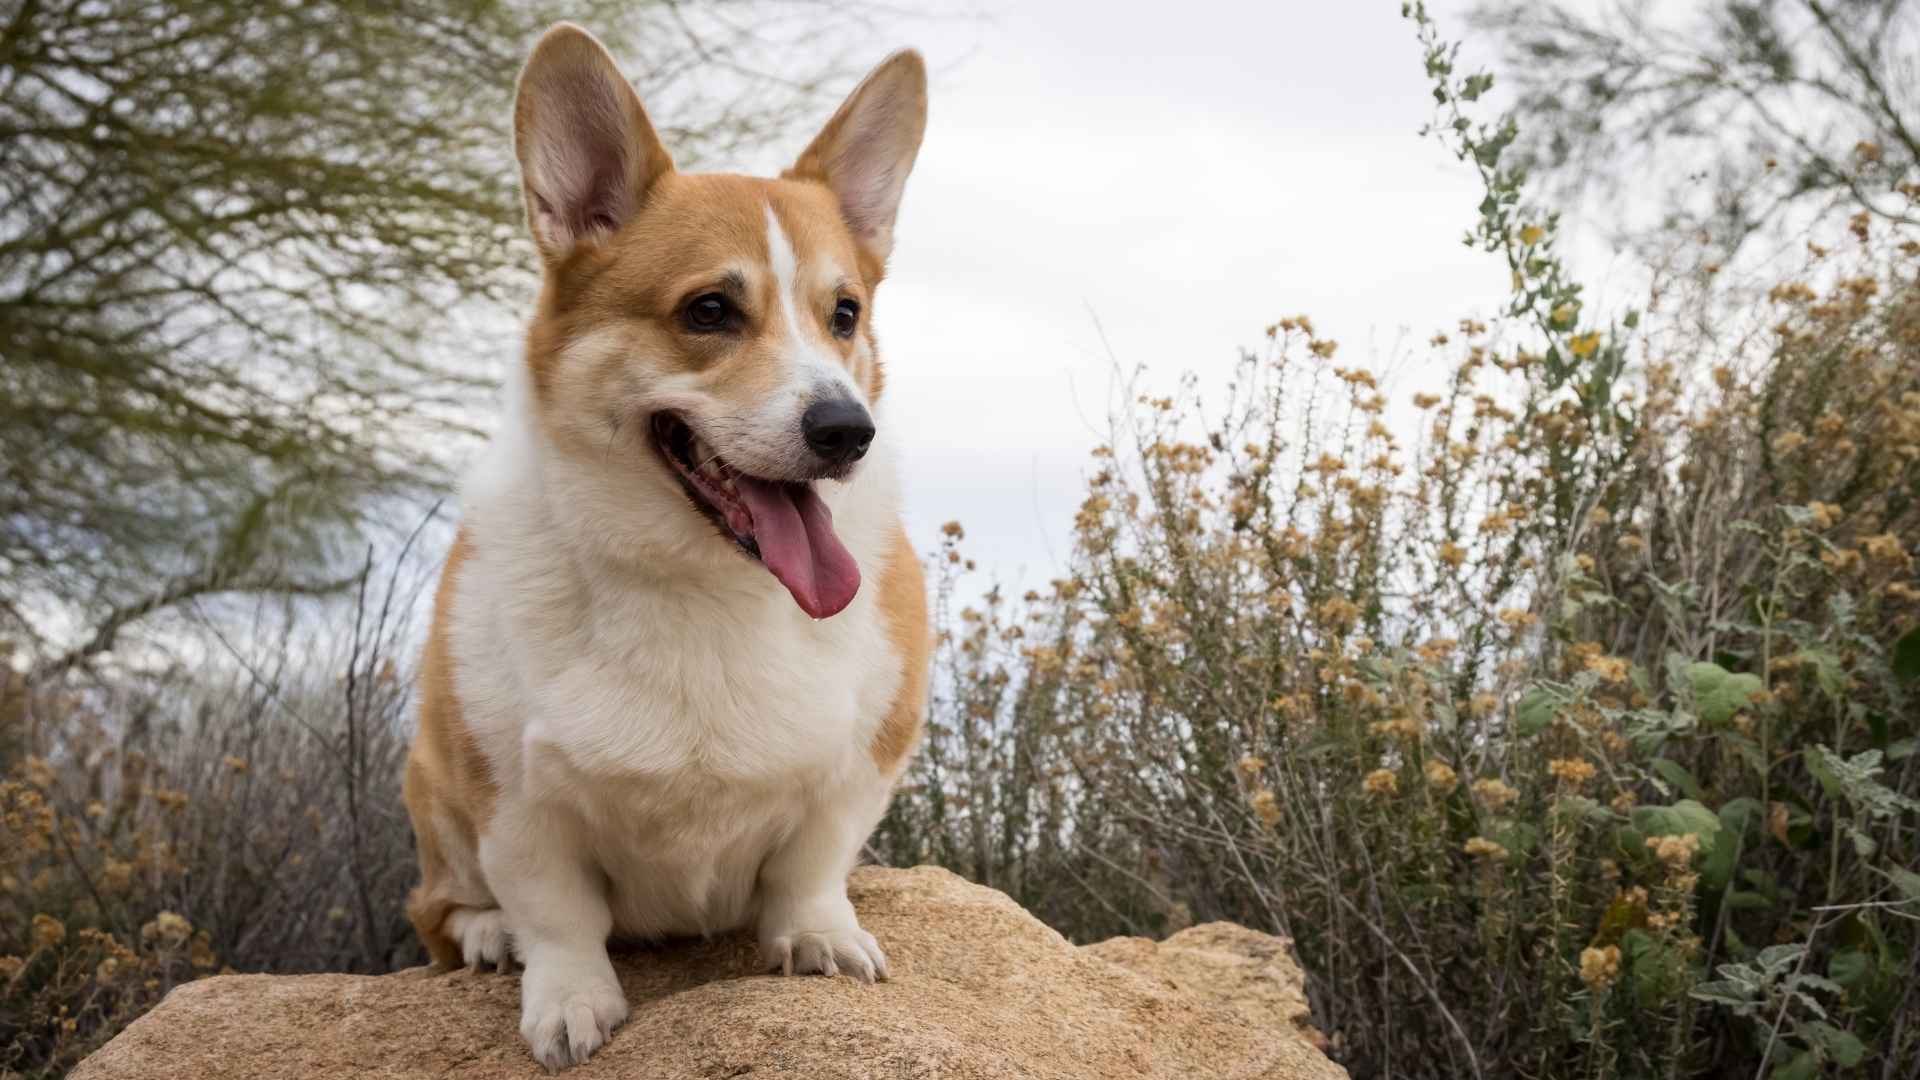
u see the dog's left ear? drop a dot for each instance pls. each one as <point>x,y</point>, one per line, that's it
<point>866,151</point>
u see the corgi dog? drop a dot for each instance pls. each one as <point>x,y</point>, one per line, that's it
<point>679,650</point>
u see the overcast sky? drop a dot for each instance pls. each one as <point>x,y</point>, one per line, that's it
<point>1177,175</point>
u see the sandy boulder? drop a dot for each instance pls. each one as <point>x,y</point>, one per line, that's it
<point>980,989</point>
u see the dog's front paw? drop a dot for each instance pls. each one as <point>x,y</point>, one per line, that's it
<point>565,1020</point>
<point>850,951</point>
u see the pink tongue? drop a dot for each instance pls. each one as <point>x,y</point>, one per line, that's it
<point>795,532</point>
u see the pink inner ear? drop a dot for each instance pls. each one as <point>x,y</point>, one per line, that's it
<point>867,167</point>
<point>582,176</point>
<point>864,177</point>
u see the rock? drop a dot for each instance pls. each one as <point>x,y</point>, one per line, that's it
<point>980,989</point>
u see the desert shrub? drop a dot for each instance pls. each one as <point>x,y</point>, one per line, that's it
<point>239,811</point>
<point>1563,717</point>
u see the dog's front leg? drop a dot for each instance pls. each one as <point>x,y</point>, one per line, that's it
<point>556,907</point>
<point>807,924</point>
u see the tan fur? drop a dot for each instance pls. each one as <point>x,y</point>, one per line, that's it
<point>627,727</point>
<point>903,596</point>
<point>447,779</point>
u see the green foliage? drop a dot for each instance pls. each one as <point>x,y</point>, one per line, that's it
<point>1566,731</point>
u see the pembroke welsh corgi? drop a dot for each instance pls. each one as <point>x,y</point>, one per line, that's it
<point>679,649</point>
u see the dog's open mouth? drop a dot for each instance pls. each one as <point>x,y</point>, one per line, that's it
<point>782,523</point>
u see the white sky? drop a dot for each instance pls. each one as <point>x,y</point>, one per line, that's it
<point>1187,173</point>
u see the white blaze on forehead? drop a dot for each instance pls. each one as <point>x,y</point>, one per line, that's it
<point>814,365</point>
<point>786,266</point>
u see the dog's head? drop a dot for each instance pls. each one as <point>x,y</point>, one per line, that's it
<point>712,335</point>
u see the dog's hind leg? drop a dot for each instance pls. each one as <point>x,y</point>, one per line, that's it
<point>451,909</point>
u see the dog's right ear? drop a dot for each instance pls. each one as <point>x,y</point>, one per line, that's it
<point>587,152</point>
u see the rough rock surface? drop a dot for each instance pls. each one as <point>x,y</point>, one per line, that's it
<point>980,989</point>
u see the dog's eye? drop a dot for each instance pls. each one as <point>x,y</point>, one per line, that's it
<point>708,312</point>
<point>846,318</point>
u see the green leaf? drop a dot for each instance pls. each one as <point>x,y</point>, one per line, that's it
<point>1683,817</point>
<point>1722,993</point>
<point>1676,774</point>
<point>1802,1066</point>
<point>1850,967</point>
<point>1864,845</point>
<point>1906,881</point>
<point>1840,1047</point>
<point>1719,693</point>
<point>1535,712</point>
<point>1906,656</point>
<point>1631,842</point>
<point>1519,838</point>
<point>1777,958</point>
<point>1741,814</point>
<point>1742,900</point>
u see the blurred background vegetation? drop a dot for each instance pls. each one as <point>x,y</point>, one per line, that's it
<point>1565,718</point>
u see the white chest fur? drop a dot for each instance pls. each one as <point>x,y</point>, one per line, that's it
<point>678,724</point>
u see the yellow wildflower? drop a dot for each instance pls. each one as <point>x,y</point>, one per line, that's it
<point>1481,846</point>
<point>1600,967</point>
<point>1495,793</point>
<point>1339,612</point>
<point>1676,851</point>
<point>1841,560</point>
<point>167,929</point>
<point>1573,772</point>
<point>1382,782</point>
<point>1886,548</point>
<point>1611,669</point>
<point>1825,515</point>
<point>1441,777</point>
<point>1402,727</point>
<point>48,931</point>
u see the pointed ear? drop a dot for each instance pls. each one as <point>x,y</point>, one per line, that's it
<point>866,151</point>
<point>587,152</point>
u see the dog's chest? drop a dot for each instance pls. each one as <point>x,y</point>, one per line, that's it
<point>747,694</point>
<point>689,745</point>
<point>683,857</point>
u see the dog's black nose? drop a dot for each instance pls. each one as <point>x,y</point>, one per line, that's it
<point>839,430</point>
